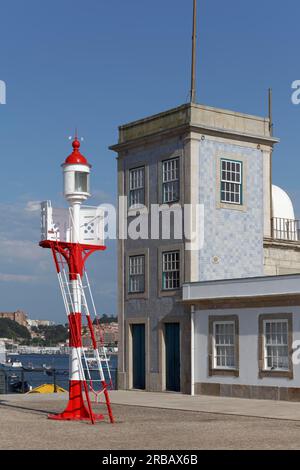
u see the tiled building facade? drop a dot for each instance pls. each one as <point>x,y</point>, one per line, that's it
<point>232,236</point>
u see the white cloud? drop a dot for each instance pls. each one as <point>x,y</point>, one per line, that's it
<point>13,250</point>
<point>101,197</point>
<point>33,206</point>
<point>19,223</point>
<point>17,278</point>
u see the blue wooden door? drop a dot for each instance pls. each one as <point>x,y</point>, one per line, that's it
<point>138,356</point>
<point>172,341</point>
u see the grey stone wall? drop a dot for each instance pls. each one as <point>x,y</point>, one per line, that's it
<point>281,258</point>
<point>155,308</point>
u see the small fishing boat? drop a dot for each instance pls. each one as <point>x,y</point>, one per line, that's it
<point>57,372</point>
<point>11,363</point>
<point>5,361</point>
<point>17,386</point>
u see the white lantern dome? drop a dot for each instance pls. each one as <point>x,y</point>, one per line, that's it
<point>76,171</point>
<point>282,204</point>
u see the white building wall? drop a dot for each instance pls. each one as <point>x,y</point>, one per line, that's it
<point>248,347</point>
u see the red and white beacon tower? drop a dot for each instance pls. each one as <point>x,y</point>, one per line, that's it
<point>73,234</point>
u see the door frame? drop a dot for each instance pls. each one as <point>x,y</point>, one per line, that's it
<point>129,358</point>
<point>162,351</point>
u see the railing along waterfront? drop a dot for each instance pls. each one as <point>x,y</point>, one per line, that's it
<point>23,379</point>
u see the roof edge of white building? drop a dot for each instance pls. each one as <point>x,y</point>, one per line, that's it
<point>246,287</point>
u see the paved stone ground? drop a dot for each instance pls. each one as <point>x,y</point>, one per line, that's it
<point>209,404</point>
<point>24,425</point>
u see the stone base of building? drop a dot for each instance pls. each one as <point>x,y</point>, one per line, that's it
<point>257,392</point>
<point>153,383</point>
<point>121,381</point>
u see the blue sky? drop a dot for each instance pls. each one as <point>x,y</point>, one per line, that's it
<point>96,64</point>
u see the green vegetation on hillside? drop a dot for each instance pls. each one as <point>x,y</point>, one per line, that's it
<point>50,335</point>
<point>12,330</point>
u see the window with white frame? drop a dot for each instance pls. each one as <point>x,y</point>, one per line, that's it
<point>170,180</point>
<point>231,181</point>
<point>81,181</point>
<point>137,187</point>
<point>276,350</point>
<point>224,347</point>
<point>171,270</point>
<point>136,274</point>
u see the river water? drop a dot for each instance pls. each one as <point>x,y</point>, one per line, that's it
<point>59,362</point>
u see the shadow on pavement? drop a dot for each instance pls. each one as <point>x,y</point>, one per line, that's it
<point>25,408</point>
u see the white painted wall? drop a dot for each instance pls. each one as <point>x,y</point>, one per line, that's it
<point>248,325</point>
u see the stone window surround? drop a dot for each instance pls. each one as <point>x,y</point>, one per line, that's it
<point>232,157</point>
<point>219,371</point>
<point>137,295</point>
<point>162,249</point>
<point>179,153</point>
<point>137,183</point>
<point>261,354</point>
<point>134,212</point>
<point>226,167</point>
<point>168,166</point>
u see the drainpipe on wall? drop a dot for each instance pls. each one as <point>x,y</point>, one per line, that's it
<point>192,350</point>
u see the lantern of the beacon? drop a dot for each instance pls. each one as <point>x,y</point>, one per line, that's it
<point>76,170</point>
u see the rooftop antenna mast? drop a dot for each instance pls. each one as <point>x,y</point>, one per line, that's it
<point>271,125</point>
<point>271,130</point>
<point>193,74</point>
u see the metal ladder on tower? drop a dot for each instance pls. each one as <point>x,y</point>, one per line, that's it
<point>88,372</point>
<point>99,355</point>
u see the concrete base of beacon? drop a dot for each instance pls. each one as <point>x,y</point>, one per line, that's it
<point>76,409</point>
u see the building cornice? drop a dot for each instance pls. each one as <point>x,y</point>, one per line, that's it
<point>276,300</point>
<point>241,289</point>
<point>201,130</point>
<point>286,244</point>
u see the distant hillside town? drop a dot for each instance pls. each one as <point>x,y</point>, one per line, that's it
<point>22,318</point>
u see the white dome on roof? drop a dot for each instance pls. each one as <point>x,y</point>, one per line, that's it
<point>282,204</point>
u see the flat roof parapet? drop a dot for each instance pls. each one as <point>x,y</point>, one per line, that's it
<point>198,118</point>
